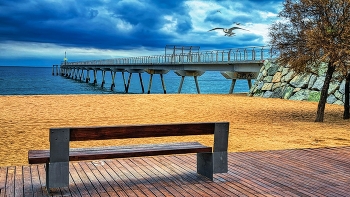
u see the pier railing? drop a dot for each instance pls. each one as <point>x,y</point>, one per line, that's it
<point>212,56</point>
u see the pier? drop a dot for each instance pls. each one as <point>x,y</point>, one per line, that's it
<point>185,61</point>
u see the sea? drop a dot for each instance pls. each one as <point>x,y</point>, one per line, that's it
<point>25,80</point>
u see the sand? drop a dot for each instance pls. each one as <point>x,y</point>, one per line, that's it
<point>255,123</point>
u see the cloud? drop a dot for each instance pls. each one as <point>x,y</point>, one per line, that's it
<point>130,24</point>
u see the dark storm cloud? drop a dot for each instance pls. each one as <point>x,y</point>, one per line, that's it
<point>80,23</point>
<point>129,24</point>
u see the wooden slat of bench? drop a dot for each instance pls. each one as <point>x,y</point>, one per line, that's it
<point>140,131</point>
<point>97,153</point>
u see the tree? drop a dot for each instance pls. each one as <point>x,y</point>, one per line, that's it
<point>346,114</point>
<point>310,33</point>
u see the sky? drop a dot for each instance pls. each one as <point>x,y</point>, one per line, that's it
<point>39,32</point>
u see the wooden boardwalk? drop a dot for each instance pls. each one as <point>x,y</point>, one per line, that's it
<point>305,172</point>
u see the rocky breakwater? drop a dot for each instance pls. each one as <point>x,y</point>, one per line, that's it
<point>278,81</point>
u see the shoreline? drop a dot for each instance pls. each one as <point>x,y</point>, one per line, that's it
<point>256,124</point>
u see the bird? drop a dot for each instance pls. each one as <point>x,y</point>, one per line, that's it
<point>228,32</point>
<point>218,11</point>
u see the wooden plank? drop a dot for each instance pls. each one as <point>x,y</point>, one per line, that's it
<point>99,153</point>
<point>10,182</point>
<point>36,182</point>
<point>19,181</point>
<point>3,176</point>
<point>27,179</point>
<point>140,131</point>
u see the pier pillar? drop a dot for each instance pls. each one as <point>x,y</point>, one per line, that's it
<point>103,78</point>
<point>81,75</point>
<point>77,74</point>
<point>95,76</point>
<point>53,69</point>
<point>160,72</point>
<point>239,75</point>
<point>87,76</point>
<point>57,70</point>
<point>131,71</point>
<point>113,77</point>
<point>184,73</point>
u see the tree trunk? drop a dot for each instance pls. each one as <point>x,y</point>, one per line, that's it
<point>346,94</point>
<point>324,93</point>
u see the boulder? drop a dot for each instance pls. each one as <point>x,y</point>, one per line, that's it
<point>311,81</point>
<point>300,81</point>
<point>267,94</point>
<point>318,83</point>
<point>331,99</point>
<point>301,95</point>
<point>314,96</point>
<point>267,86</point>
<point>277,77</point>
<point>288,92</point>
<point>272,70</point>
<point>333,86</point>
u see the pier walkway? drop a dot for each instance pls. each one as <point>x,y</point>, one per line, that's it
<point>242,63</point>
<point>296,172</point>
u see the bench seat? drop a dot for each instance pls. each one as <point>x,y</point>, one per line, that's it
<point>110,152</point>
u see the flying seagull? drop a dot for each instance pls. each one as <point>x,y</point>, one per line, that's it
<point>228,32</point>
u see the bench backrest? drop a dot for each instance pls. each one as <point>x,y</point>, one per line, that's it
<point>140,131</point>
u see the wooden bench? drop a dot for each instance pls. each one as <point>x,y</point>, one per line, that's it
<point>209,160</point>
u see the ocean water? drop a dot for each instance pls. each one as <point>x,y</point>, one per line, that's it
<point>40,81</point>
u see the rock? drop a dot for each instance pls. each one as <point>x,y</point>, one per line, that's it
<point>342,87</point>
<point>260,76</point>
<point>277,77</point>
<point>267,65</point>
<point>301,95</point>
<point>260,85</point>
<point>333,86</point>
<point>288,92</point>
<point>331,99</point>
<point>314,96</point>
<point>312,81</point>
<point>285,71</point>
<point>338,95</point>
<point>272,70</point>
<point>267,86</point>
<point>296,90</point>
<point>289,76</point>
<point>268,94</point>
<point>264,73</point>
<point>300,81</point>
<point>277,93</point>
<point>276,85</point>
<point>268,79</point>
<point>318,83</point>
<point>338,102</point>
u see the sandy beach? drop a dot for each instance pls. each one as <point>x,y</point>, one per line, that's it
<point>255,123</point>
